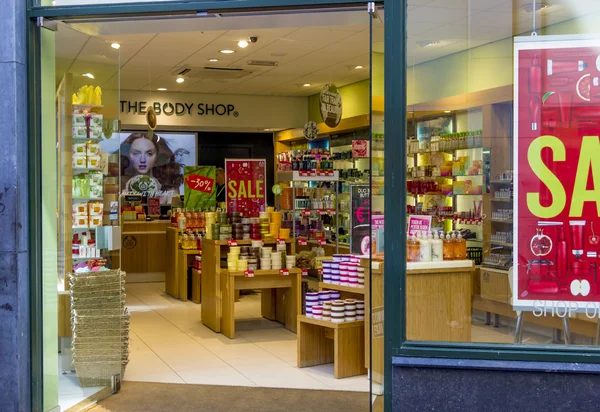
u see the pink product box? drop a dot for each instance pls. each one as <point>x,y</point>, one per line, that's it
<point>343,266</point>
<point>353,282</point>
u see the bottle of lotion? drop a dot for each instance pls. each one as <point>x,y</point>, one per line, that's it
<point>561,255</point>
<point>437,248</point>
<point>425,244</point>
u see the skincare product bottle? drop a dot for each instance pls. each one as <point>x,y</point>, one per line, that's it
<point>448,247</point>
<point>461,248</point>
<point>437,248</point>
<point>425,250</point>
<point>413,249</point>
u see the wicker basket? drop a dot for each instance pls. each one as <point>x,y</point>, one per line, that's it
<point>98,373</point>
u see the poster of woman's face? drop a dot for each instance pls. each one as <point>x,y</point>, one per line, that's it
<point>152,165</point>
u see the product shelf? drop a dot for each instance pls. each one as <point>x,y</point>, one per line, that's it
<point>507,221</point>
<point>340,288</point>
<point>501,243</point>
<point>86,199</point>
<point>446,151</point>
<point>500,200</point>
<point>501,182</point>
<point>296,176</point>
<point>261,272</point>
<point>83,229</point>
<point>82,170</point>
<point>86,106</point>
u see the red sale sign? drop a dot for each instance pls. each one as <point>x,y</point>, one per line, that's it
<point>200,183</point>
<point>557,171</point>
<point>246,184</point>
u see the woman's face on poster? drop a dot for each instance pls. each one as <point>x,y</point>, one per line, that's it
<point>143,156</point>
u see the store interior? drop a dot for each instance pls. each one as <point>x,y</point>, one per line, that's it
<point>190,306</point>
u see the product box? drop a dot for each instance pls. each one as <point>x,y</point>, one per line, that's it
<point>96,208</point>
<point>80,132</point>
<point>79,160</point>
<point>80,221</point>
<point>79,119</point>
<point>95,132</point>
<point>96,119</point>
<point>80,209</point>
<point>459,188</point>
<point>79,149</point>
<point>92,149</point>
<point>93,161</point>
<point>96,191</point>
<point>95,221</point>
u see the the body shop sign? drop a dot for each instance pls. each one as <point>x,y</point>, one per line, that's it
<point>330,102</point>
<point>246,184</point>
<point>557,176</point>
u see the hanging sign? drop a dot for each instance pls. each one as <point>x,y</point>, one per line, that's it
<point>417,224</point>
<point>246,185</point>
<point>360,225</point>
<point>557,176</point>
<point>199,187</point>
<point>331,105</point>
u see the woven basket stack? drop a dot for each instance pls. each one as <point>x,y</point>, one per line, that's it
<point>100,325</point>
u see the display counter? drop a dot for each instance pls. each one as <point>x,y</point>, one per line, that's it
<point>143,246</point>
<point>177,262</point>
<point>330,248</point>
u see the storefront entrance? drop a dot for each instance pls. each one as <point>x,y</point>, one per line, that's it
<point>160,281</point>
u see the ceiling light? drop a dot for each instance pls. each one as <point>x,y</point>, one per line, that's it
<point>90,75</point>
<point>161,89</point>
<point>115,46</point>
<point>278,54</point>
<point>213,60</point>
<point>447,111</point>
<point>358,67</point>
<point>426,43</point>
<point>180,80</point>
<point>528,8</point>
<point>243,44</point>
<point>306,85</point>
<point>227,51</point>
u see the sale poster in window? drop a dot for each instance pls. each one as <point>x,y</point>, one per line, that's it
<point>246,184</point>
<point>199,187</point>
<point>557,176</point>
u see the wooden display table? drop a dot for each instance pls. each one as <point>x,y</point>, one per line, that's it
<point>321,342</point>
<point>273,301</point>
<point>177,260</point>
<point>263,279</point>
<point>438,301</point>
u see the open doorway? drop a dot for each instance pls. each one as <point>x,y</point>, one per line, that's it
<point>220,87</point>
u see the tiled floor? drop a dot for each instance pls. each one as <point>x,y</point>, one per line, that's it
<point>70,393</point>
<point>168,343</point>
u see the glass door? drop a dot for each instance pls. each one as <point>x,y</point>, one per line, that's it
<point>375,280</point>
<point>85,322</point>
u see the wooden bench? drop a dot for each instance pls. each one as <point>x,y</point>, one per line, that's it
<point>321,342</point>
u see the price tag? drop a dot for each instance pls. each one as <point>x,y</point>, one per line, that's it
<point>306,212</point>
<point>281,241</point>
<point>200,183</point>
<point>284,272</point>
<point>249,274</point>
<point>302,241</point>
<point>232,242</point>
<point>322,212</point>
<point>304,272</point>
<point>332,211</point>
<point>322,242</point>
<point>303,173</point>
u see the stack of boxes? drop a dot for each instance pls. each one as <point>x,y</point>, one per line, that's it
<point>86,215</point>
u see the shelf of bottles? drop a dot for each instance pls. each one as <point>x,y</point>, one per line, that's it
<point>501,220</point>
<point>435,247</point>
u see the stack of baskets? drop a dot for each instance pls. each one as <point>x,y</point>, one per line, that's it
<point>100,325</point>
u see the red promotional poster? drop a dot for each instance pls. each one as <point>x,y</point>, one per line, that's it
<point>154,206</point>
<point>360,148</point>
<point>557,168</point>
<point>246,184</point>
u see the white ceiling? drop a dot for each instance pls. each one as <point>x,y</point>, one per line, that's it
<point>314,47</point>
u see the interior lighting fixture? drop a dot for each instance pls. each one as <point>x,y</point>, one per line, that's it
<point>115,46</point>
<point>528,8</point>
<point>88,75</point>
<point>427,43</point>
<point>243,44</point>
<point>358,67</point>
<point>161,89</point>
<point>180,80</point>
<point>227,51</point>
<point>306,85</point>
<point>447,111</point>
<point>213,60</point>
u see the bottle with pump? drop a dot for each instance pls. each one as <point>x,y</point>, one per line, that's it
<point>437,248</point>
<point>425,244</point>
<point>413,249</point>
<point>448,247</point>
<point>460,248</point>
<point>454,241</point>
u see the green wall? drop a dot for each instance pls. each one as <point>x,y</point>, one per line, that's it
<point>49,223</point>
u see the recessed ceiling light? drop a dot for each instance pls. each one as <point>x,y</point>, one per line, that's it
<point>89,75</point>
<point>115,46</point>
<point>243,44</point>
<point>447,111</point>
<point>306,85</point>
<point>227,51</point>
<point>278,54</point>
<point>161,89</point>
<point>358,67</point>
<point>213,60</point>
<point>180,80</point>
<point>427,43</point>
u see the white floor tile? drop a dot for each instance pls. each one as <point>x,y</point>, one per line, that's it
<point>324,374</point>
<point>280,376</point>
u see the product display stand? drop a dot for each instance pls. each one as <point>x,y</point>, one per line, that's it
<point>261,279</point>
<point>212,295</point>
<point>343,344</point>
<point>177,263</point>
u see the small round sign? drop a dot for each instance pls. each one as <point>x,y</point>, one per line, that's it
<point>277,189</point>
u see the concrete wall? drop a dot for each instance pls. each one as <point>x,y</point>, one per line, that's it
<point>14,268</point>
